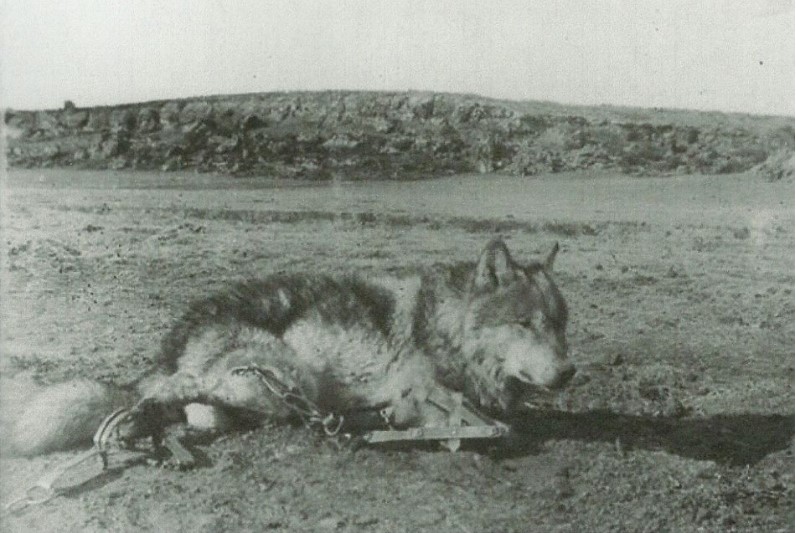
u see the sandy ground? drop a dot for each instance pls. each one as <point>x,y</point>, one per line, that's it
<point>681,417</point>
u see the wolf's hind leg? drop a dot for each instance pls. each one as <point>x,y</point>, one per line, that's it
<point>179,388</point>
<point>168,402</point>
<point>162,402</point>
<point>207,401</point>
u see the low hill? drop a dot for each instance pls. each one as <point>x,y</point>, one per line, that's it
<point>365,135</point>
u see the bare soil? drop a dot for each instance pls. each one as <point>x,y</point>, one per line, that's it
<point>681,416</point>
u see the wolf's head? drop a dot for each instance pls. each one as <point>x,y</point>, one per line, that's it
<point>514,327</point>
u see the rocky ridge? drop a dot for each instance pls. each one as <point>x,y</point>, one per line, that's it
<point>361,135</point>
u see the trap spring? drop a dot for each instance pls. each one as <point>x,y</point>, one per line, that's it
<point>44,489</point>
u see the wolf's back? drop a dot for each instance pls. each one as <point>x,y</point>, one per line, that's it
<point>61,416</point>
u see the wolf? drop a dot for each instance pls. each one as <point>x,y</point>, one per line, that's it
<point>490,331</point>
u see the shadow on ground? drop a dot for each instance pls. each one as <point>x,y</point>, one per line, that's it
<point>742,439</point>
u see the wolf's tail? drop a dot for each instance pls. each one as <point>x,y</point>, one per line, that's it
<point>58,417</point>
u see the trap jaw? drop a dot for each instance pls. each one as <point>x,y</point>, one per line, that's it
<point>463,423</point>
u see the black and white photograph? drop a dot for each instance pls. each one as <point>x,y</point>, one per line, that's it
<point>397,266</point>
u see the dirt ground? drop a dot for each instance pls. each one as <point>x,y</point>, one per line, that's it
<point>681,416</point>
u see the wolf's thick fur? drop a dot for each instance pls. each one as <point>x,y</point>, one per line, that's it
<point>490,330</point>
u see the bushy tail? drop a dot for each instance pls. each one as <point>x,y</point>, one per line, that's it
<point>58,417</point>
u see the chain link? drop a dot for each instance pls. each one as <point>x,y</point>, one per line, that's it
<point>291,396</point>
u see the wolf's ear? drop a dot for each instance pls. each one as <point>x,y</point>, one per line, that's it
<point>495,266</point>
<point>551,257</point>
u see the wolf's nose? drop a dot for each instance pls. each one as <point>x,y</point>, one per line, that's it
<point>565,376</point>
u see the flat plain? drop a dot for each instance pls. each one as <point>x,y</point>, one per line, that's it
<point>681,416</point>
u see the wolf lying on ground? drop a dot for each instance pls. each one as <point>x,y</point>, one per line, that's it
<point>493,331</point>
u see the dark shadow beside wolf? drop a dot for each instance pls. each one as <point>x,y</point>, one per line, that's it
<point>736,440</point>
